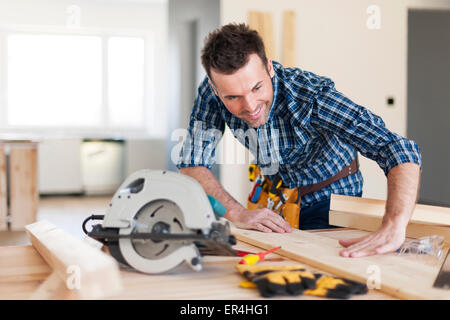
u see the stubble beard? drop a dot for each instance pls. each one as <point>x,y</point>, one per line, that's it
<point>262,118</point>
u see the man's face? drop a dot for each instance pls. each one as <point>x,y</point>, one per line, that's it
<point>248,92</point>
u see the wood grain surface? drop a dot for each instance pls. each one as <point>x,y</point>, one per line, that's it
<point>367,214</point>
<point>70,257</point>
<point>407,277</point>
<point>3,194</point>
<point>23,186</point>
<point>219,279</point>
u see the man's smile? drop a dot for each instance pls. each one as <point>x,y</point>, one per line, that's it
<point>257,113</point>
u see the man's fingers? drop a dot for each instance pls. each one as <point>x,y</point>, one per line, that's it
<point>380,242</point>
<point>367,251</point>
<point>348,242</point>
<point>262,228</point>
<point>273,226</point>
<point>359,250</point>
<point>385,248</point>
<point>279,221</point>
<point>266,220</point>
<point>363,243</point>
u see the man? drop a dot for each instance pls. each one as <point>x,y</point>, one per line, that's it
<point>317,132</point>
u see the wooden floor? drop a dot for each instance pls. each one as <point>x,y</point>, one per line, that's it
<point>66,212</point>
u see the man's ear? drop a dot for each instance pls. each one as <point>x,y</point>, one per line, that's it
<point>213,87</point>
<point>270,68</point>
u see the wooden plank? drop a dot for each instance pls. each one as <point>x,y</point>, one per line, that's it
<point>22,264</point>
<point>373,223</point>
<point>23,185</point>
<point>288,58</point>
<point>218,279</point>
<point>3,194</point>
<point>22,270</point>
<point>263,23</point>
<point>53,288</point>
<point>423,214</point>
<point>87,271</point>
<point>401,276</point>
<point>367,214</point>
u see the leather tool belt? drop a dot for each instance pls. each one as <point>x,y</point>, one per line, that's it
<point>285,201</point>
<point>348,170</point>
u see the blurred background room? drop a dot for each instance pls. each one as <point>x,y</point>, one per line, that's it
<point>93,90</point>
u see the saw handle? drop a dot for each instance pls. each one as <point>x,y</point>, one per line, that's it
<point>217,207</point>
<point>92,217</point>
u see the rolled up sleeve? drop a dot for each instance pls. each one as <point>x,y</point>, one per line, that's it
<point>362,129</point>
<point>206,127</point>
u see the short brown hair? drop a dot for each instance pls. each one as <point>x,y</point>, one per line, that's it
<point>227,49</point>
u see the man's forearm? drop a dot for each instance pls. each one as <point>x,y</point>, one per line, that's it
<point>403,186</point>
<point>213,187</point>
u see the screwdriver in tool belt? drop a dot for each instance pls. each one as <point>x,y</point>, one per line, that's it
<point>251,259</point>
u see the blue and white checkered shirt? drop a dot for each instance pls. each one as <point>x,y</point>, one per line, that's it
<point>313,131</point>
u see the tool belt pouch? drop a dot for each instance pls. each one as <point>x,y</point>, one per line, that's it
<point>291,213</point>
<point>290,210</point>
<point>261,201</point>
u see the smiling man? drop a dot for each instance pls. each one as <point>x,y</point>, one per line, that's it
<point>305,127</point>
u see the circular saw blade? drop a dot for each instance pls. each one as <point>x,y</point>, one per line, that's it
<point>159,216</point>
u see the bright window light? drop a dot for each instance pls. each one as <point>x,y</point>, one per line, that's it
<point>126,81</point>
<point>54,80</point>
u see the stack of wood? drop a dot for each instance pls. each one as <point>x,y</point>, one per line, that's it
<point>19,194</point>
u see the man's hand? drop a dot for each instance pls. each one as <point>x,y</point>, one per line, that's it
<point>403,186</point>
<point>386,239</point>
<point>264,220</point>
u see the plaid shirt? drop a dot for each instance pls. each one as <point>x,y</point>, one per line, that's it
<point>312,132</point>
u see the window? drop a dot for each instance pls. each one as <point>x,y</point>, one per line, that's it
<point>126,81</point>
<point>54,80</point>
<point>74,81</point>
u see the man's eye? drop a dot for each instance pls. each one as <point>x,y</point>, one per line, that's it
<point>231,98</point>
<point>257,88</point>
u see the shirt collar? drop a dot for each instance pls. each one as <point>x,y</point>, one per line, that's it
<point>275,87</point>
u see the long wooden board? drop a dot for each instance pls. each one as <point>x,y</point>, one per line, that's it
<point>366,214</point>
<point>423,214</point>
<point>24,193</point>
<point>288,59</point>
<point>22,270</point>
<point>263,23</point>
<point>97,273</point>
<point>3,194</point>
<point>373,223</point>
<point>401,276</point>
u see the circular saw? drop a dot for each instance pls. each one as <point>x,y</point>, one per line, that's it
<point>157,220</point>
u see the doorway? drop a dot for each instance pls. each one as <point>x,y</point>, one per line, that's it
<point>428,120</point>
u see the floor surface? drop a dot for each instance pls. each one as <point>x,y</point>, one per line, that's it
<point>66,212</point>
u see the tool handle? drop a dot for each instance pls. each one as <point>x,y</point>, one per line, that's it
<point>217,207</point>
<point>250,259</point>
<point>262,255</point>
<point>276,184</point>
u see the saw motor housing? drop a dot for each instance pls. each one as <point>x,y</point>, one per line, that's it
<point>158,219</point>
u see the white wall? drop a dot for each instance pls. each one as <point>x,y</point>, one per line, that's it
<point>333,40</point>
<point>60,168</point>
